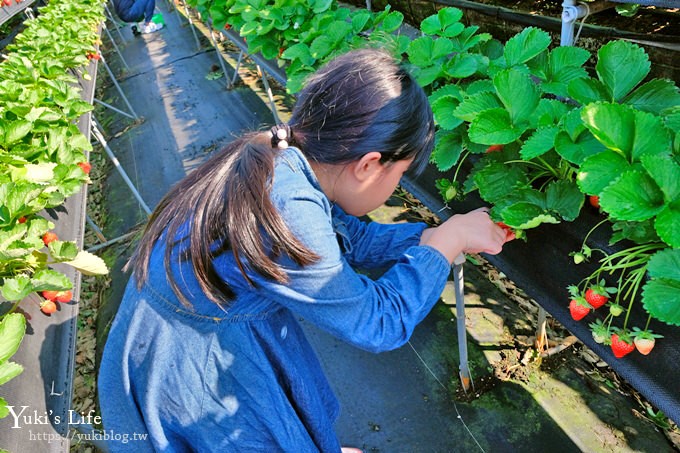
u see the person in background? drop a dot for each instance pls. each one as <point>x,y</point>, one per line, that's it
<point>138,11</point>
<point>206,352</point>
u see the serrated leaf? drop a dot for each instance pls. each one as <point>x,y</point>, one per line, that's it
<point>621,65</point>
<point>654,96</point>
<point>585,90</point>
<point>524,216</point>
<point>447,90</point>
<point>612,124</point>
<point>666,173</point>
<point>472,105</point>
<point>651,137</point>
<point>445,23</point>
<point>17,130</point>
<point>8,371</point>
<point>525,45</point>
<point>667,225</point>
<point>496,180</point>
<point>564,198</point>
<point>660,298</point>
<point>63,250</point>
<point>518,93</point>
<point>12,330</point>
<point>578,150</point>
<point>299,51</point>
<point>548,113</point>
<point>633,196</point>
<point>425,51</point>
<point>598,171</point>
<point>443,109</point>
<point>392,21</point>
<point>665,264</point>
<point>461,65</point>
<point>542,141</point>
<point>40,173</point>
<point>494,127</point>
<point>447,149</point>
<point>16,288</point>
<point>89,264</point>
<point>49,279</point>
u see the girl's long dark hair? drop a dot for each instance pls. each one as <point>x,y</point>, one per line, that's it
<point>359,102</point>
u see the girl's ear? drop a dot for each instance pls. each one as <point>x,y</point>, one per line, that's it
<point>367,167</point>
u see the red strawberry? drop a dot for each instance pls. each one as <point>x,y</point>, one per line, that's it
<point>48,307</point>
<point>579,308</point>
<point>49,237</point>
<point>494,148</point>
<point>596,298</point>
<point>85,166</point>
<point>622,345</point>
<point>594,201</point>
<point>22,219</point>
<point>50,295</point>
<point>64,296</point>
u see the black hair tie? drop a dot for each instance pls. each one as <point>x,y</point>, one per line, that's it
<point>281,136</point>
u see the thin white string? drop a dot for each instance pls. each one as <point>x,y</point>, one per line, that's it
<point>460,417</point>
<point>578,33</point>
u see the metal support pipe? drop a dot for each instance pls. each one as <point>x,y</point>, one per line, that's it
<point>238,66</point>
<point>113,21</point>
<point>117,110</point>
<point>100,138</point>
<point>98,232</point>
<point>193,27</point>
<point>220,57</point>
<point>120,90</point>
<point>115,46</point>
<point>270,95</point>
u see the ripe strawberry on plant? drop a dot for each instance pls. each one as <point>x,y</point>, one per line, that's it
<point>494,149</point>
<point>644,340</point>
<point>598,295</point>
<point>48,307</point>
<point>50,295</point>
<point>85,166</point>
<point>578,306</point>
<point>594,201</point>
<point>22,219</point>
<point>49,237</point>
<point>622,345</point>
<point>64,296</point>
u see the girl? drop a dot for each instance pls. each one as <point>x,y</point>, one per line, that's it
<point>206,353</point>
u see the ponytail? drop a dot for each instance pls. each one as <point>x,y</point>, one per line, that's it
<point>224,205</point>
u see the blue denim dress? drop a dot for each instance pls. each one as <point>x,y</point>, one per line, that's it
<point>243,378</point>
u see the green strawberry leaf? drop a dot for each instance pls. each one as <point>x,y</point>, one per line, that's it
<point>63,250</point>
<point>579,149</point>
<point>12,330</point>
<point>88,264</point>
<point>9,370</point>
<point>660,298</point>
<point>447,149</point>
<point>638,232</point>
<point>598,171</point>
<point>651,136</point>
<point>665,264</point>
<point>518,93</point>
<point>654,96</point>
<point>445,23</point>
<point>494,127</point>
<point>461,65</point>
<point>564,198</point>
<point>496,180</point>
<point>425,51</point>
<point>525,45</point>
<point>524,216</point>
<point>17,130</point>
<point>612,124</point>
<point>16,288</point>
<point>666,173</point>
<point>633,196</point>
<point>585,90</point>
<point>443,109</point>
<point>49,279</point>
<point>447,90</point>
<point>667,225</point>
<point>542,141</point>
<point>476,103</point>
<point>621,65</point>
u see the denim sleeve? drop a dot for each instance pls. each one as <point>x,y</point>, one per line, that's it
<point>375,315</point>
<point>370,245</point>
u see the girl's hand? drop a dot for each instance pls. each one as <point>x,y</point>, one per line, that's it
<point>473,232</point>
